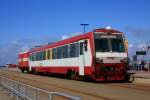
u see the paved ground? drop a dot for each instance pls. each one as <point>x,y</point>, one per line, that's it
<point>4,96</point>
<point>142,77</point>
<point>142,74</point>
<point>87,90</point>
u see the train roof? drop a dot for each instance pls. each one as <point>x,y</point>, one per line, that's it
<point>74,38</point>
<point>23,52</point>
<point>104,30</point>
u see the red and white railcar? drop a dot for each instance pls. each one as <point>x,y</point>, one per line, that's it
<point>99,55</point>
<point>23,61</point>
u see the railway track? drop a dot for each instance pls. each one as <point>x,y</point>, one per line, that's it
<point>87,94</point>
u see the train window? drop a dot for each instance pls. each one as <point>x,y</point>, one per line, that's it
<point>40,56</point>
<point>30,57</point>
<point>48,54</point>
<point>65,51</point>
<point>34,57</point>
<point>54,53</point>
<point>37,56</point>
<point>85,45</point>
<point>77,49</point>
<point>102,45</point>
<point>117,45</point>
<point>74,50</point>
<point>59,52</point>
<point>81,48</point>
<point>44,55</point>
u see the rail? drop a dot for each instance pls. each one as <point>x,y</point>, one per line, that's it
<point>21,91</point>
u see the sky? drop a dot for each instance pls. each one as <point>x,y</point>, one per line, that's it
<point>26,23</point>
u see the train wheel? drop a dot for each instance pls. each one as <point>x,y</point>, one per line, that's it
<point>87,78</point>
<point>131,78</point>
<point>71,74</point>
<point>22,70</point>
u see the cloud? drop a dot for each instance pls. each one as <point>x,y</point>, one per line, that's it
<point>131,45</point>
<point>71,35</point>
<point>132,48</point>
<point>75,34</point>
<point>9,53</point>
<point>64,37</point>
<point>139,32</point>
<point>15,42</point>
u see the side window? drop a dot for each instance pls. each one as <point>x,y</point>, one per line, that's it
<point>34,59</point>
<point>85,45</point>
<point>81,48</point>
<point>30,57</point>
<point>77,49</point>
<point>59,52</point>
<point>65,51</point>
<point>40,55</point>
<point>54,53</point>
<point>48,54</point>
<point>44,55</point>
<point>35,56</point>
<point>74,50</point>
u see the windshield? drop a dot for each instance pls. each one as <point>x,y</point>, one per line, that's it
<point>101,45</point>
<point>117,45</point>
<point>109,45</point>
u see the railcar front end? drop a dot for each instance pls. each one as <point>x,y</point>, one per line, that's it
<point>111,59</point>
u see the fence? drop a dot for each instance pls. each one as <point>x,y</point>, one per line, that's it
<point>21,91</point>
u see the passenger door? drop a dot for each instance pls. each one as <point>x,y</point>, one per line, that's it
<point>81,58</point>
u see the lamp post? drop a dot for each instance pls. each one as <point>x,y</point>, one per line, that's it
<point>84,25</point>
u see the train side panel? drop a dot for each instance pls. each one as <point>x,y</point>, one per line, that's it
<point>62,66</point>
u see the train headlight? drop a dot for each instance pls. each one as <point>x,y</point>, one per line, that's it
<point>125,60</point>
<point>121,60</point>
<point>99,60</point>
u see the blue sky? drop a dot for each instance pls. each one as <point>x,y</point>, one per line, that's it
<point>24,23</point>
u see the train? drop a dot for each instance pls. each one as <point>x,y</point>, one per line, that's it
<point>99,55</point>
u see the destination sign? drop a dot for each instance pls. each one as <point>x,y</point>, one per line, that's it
<point>114,36</point>
<point>108,36</point>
